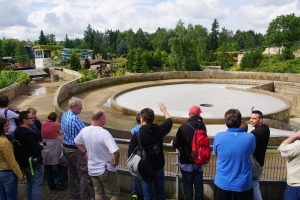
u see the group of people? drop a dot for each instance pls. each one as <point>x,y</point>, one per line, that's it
<point>28,149</point>
<point>91,153</point>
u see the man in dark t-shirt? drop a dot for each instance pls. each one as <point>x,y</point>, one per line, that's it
<point>262,135</point>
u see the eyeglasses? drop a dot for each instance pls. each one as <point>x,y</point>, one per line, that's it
<point>30,118</point>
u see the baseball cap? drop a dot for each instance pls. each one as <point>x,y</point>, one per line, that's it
<point>196,110</point>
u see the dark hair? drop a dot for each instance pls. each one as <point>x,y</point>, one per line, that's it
<point>138,118</point>
<point>147,115</point>
<point>97,115</point>
<point>260,115</point>
<point>52,116</point>
<point>2,123</point>
<point>22,116</point>
<point>4,101</point>
<point>233,118</point>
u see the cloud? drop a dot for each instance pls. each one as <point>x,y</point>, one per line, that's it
<point>51,19</point>
<point>71,17</point>
<point>67,17</point>
<point>12,15</point>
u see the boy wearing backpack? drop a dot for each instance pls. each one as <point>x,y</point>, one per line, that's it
<point>192,173</point>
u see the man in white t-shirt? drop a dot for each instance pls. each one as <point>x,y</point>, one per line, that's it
<point>103,156</point>
<point>9,114</point>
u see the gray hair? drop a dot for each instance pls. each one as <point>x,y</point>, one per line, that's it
<point>73,102</point>
<point>32,110</point>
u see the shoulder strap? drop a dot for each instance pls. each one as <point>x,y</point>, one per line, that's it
<point>191,126</point>
<point>138,138</point>
<point>5,113</point>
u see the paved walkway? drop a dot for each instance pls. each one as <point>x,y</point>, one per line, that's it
<point>55,194</point>
<point>40,96</point>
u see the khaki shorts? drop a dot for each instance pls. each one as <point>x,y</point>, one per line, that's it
<point>108,183</point>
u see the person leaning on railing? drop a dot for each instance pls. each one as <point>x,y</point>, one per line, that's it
<point>290,149</point>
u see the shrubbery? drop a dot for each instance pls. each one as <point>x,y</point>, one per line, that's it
<point>8,78</point>
<point>87,75</point>
<point>214,63</point>
<point>251,59</point>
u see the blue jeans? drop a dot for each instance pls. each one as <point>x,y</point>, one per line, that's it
<point>159,185</point>
<point>292,193</point>
<point>34,182</point>
<point>60,176</point>
<point>137,188</point>
<point>8,186</point>
<point>192,181</point>
<point>256,190</point>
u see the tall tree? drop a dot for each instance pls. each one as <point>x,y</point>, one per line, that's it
<point>42,39</point>
<point>213,43</point>
<point>51,39</point>
<point>67,42</point>
<point>249,41</point>
<point>122,49</point>
<point>20,51</point>
<point>225,36</point>
<point>75,61</point>
<point>284,28</point>
<point>88,36</point>
<point>183,54</point>
<point>130,39</point>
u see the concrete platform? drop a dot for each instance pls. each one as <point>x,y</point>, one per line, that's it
<point>180,97</point>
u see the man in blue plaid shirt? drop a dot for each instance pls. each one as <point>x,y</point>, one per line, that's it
<point>71,125</point>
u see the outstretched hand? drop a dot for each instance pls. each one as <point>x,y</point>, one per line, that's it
<point>162,106</point>
<point>164,110</point>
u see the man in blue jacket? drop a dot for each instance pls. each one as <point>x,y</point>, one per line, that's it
<point>234,149</point>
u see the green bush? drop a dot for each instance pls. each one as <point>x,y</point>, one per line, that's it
<point>251,59</point>
<point>287,54</point>
<point>87,75</point>
<point>8,78</point>
<point>214,63</point>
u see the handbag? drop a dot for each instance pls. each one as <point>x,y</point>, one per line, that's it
<point>256,169</point>
<point>139,163</point>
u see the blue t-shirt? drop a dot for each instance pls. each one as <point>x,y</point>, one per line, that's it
<point>234,149</point>
<point>135,129</point>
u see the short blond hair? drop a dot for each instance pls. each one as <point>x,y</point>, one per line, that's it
<point>244,125</point>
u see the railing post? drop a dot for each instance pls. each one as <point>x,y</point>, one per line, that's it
<point>177,174</point>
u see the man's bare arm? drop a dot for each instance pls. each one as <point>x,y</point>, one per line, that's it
<point>116,156</point>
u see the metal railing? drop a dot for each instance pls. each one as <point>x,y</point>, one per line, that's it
<point>274,168</point>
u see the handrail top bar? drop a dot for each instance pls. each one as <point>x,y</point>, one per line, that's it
<point>169,145</point>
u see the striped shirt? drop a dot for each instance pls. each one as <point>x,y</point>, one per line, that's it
<point>71,125</point>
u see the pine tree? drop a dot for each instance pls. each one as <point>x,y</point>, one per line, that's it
<point>214,35</point>
<point>42,39</point>
<point>67,42</point>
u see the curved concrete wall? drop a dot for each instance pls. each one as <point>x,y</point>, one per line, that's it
<point>65,91</point>
<point>282,83</point>
<point>14,90</point>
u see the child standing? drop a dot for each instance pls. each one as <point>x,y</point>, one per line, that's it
<point>137,191</point>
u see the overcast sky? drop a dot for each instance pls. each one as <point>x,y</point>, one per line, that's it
<point>24,19</point>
